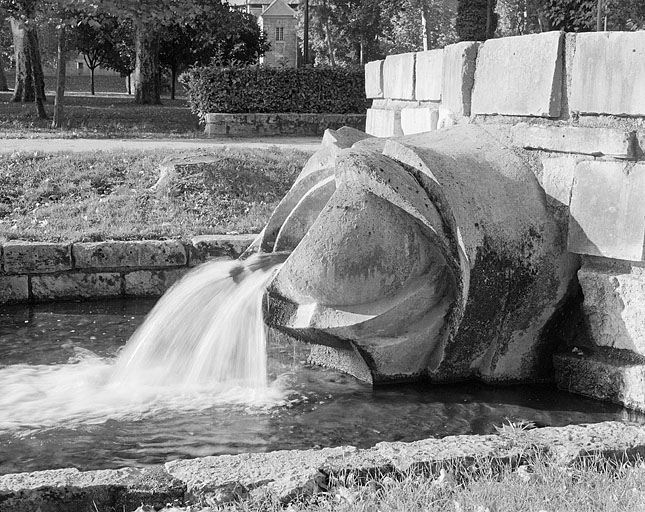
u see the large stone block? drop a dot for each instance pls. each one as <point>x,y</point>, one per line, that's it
<point>429,75</point>
<point>207,247</point>
<point>419,120</point>
<point>607,216</point>
<point>36,257</point>
<point>613,304</point>
<point>575,139</point>
<point>398,76</point>
<point>459,76</point>
<point>76,285</point>
<point>147,253</point>
<point>374,79</point>
<point>603,378</point>
<point>520,76</point>
<point>609,73</point>
<point>557,177</point>
<point>14,289</point>
<point>383,123</point>
<point>151,283</point>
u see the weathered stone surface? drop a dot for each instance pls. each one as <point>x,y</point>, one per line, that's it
<point>14,289</point>
<point>398,77</point>
<point>419,120</point>
<point>374,79</point>
<point>76,285</point>
<point>520,76</point>
<point>383,123</point>
<point>343,138</point>
<point>286,474</point>
<point>151,283</point>
<point>289,475</point>
<point>304,214</point>
<point>429,75</point>
<point>606,378</point>
<point>74,491</point>
<point>459,76</point>
<point>610,223</point>
<point>207,247</point>
<point>36,257</point>
<point>417,264</point>
<point>614,305</point>
<point>557,177</point>
<point>258,124</point>
<point>146,253</point>
<point>609,73</point>
<point>570,139</point>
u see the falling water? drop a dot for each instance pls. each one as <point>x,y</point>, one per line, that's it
<point>203,344</point>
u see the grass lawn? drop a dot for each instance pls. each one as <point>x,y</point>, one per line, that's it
<point>108,195</point>
<point>100,117</point>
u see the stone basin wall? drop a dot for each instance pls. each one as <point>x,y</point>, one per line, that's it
<point>576,102</point>
<point>44,271</point>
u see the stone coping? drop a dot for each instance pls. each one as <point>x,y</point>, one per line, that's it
<point>288,475</point>
<point>43,271</point>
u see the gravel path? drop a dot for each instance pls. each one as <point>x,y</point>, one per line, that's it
<point>79,145</point>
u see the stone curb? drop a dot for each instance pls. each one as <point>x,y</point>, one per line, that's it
<point>287,475</point>
<point>43,271</point>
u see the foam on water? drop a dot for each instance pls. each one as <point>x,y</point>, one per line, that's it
<point>202,345</point>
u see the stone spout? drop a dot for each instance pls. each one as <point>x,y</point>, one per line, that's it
<point>426,257</point>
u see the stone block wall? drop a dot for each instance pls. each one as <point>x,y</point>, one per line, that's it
<point>576,104</point>
<point>38,271</point>
<point>264,125</point>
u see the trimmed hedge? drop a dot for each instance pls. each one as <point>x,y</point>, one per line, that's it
<point>256,89</point>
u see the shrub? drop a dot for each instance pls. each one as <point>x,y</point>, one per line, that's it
<point>260,89</point>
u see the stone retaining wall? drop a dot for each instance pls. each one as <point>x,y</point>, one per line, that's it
<point>290,475</point>
<point>576,103</point>
<point>43,271</point>
<point>258,125</point>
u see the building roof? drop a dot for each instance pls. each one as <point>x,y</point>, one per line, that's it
<point>258,3</point>
<point>278,8</point>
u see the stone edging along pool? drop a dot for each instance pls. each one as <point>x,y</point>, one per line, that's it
<point>44,271</point>
<point>288,475</point>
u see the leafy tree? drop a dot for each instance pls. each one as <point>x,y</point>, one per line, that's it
<point>225,35</point>
<point>476,19</point>
<point>344,32</point>
<point>418,24</point>
<point>95,41</point>
<point>518,17</point>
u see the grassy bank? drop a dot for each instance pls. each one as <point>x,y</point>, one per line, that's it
<point>539,485</point>
<point>110,196</point>
<point>100,117</point>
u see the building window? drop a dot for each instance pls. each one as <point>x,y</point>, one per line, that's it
<point>79,66</point>
<point>279,33</point>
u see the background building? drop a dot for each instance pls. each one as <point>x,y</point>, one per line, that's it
<point>278,19</point>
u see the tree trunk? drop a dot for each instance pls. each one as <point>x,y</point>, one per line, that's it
<point>173,81</point>
<point>424,27</point>
<point>92,90</point>
<point>3,78</point>
<point>39,80</point>
<point>23,90</point>
<point>36,63</point>
<point>61,64</point>
<point>147,89</point>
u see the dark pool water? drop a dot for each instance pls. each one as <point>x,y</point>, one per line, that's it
<point>326,408</point>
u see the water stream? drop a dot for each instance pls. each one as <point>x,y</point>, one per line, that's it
<point>204,343</point>
<point>196,378</point>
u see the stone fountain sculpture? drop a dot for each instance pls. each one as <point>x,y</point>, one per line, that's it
<point>432,257</point>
